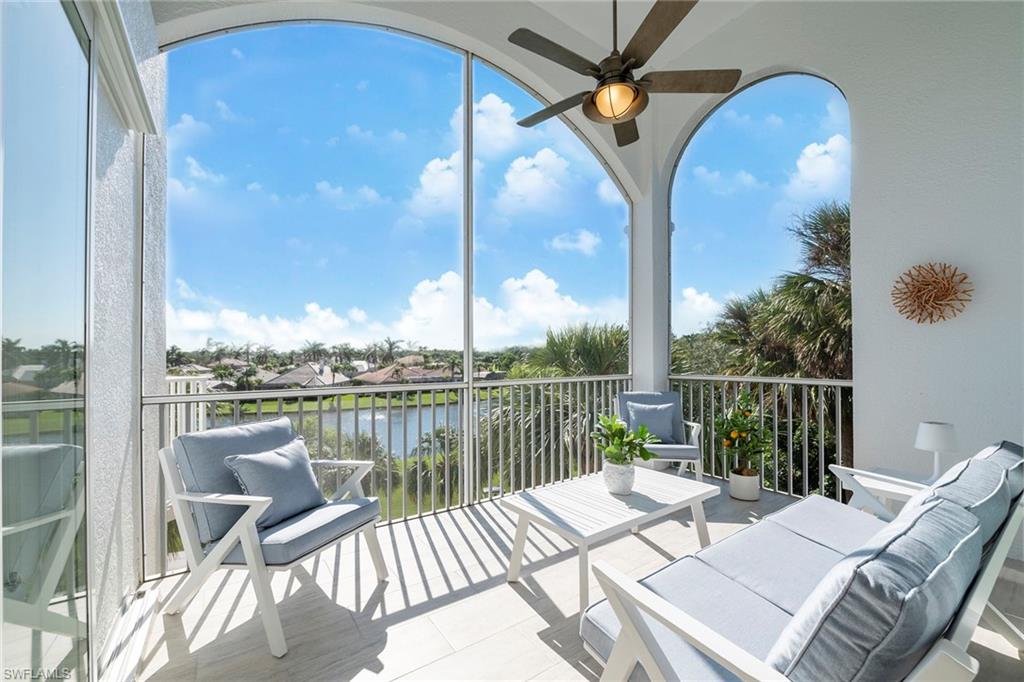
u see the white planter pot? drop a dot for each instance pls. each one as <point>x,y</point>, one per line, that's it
<point>655,464</point>
<point>744,487</point>
<point>619,478</point>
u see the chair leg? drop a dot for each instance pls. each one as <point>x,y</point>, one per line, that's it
<point>373,544</point>
<point>698,466</point>
<point>264,594</point>
<point>1001,625</point>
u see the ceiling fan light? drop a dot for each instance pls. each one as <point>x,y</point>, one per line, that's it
<point>616,100</point>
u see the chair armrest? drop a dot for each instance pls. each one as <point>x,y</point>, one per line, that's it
<point>628,598</point>
<point>360,467</point>
<point>221,498</point>
<point>874,475</point>
<point>694,429</point>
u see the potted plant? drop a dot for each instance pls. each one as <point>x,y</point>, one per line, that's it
<point>620,447</point>
<point>743,437</point>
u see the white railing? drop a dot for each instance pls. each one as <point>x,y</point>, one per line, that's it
<point>435,446</point>
<point>809,424</point>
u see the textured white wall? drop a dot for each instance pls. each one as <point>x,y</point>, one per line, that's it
<point>112,399</point>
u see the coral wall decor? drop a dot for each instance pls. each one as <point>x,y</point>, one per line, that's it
<point>932,292</point>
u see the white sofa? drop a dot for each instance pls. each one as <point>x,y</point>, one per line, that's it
<point>823,591</point>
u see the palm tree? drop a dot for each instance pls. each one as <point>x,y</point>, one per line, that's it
<point>371,353</point>
<point>263,354</point>
<point>343,352</point>
<point>436,466</point>
<point>582,350</point>
<point>313,351</point>
<point>390,345</point>
<point>176,357</point>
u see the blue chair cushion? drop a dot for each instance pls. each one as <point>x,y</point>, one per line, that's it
<point>879,610</point>
<point>674,451</point>
<point>1010,456</point>
<point>654,398</point>
<point>295,538</point>
<point>284,474</point>
<point>725,606</point>
<point>657,418</point>
<point>977,485</point>
<point>200,457</point>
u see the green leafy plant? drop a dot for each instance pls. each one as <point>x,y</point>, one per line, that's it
<point>742,434</point>
<point>619,444</point>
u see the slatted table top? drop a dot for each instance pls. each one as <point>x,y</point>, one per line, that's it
<point>582,509</point>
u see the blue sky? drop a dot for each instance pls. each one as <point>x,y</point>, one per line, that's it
<point>770,152</point>
<point>312,200</point>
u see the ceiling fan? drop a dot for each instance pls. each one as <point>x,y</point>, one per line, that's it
<point>620,96</point>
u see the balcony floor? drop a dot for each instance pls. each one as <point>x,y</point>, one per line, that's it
<point>447,612</point>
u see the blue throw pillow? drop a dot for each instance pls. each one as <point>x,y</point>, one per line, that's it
<point>284,474</point>
<point>657,419</point>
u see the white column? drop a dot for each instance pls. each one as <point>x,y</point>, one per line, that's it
<point>649,288</point>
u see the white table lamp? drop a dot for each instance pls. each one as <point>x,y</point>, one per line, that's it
<point>935,437</point>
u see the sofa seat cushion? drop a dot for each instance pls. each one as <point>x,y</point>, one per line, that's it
<point>200,457</point>
<point>283,474</point>
<point>977,485</point>
<point>837,526</point>
<point>296,537</point>
<point>877,612</point>
<point>1010,456</point>
<point>674,451</point>
<point>723,605</point>
<point>772,561</point>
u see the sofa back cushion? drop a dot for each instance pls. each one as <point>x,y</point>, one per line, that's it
<point>283,474</point>
<point>979,486</point>
<point>877,612</point>
<point>200,457</point>
<point>1010,456</point>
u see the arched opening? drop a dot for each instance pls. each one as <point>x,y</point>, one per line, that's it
<point>760,270</point>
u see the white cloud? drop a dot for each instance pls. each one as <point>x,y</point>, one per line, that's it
<point>693,311</point>
<point>494,125</point>
<point>178,193</point>
<point>725,185</point>
<point>582,241</point>
<point>254,187</point>
<point>237,54</point>
<point>357,133</point>
<point>186,132</point>
<point>362,85</point>
<point>771,121</point>
<point>609,193</point>
<point>397,136</point>
<point>199,172</point>
<point>224,111</point>
<point>440,188</point>
<point>822,171</point>
<point>533,182</point>
<point>837,116</point>
<point>344,200</point>
<point>527,306</point>
<point>185,292</point>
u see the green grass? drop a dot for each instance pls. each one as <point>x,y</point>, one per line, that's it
<point>49,422</point>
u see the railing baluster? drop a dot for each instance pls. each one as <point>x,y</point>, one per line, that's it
<point>804,475</point>
<point>821,440</point>
<point>373,437</point>
<point>789,437</point>
<point>839,437</point>
<point>775,437</point>
<point>405,456</point>
<point>390,454</point>
<point>522,439</point>
<point>533,438</point>
<point>320,426</point>
<point>501,441</point>
<point>543,432</point>
<point>561,434</point>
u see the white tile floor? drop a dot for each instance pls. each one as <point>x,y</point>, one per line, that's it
<point>447,612</point>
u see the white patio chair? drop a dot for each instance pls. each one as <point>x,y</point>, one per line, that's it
<point>40,526</point>
<point>685,448</point>
<point>278,548</point>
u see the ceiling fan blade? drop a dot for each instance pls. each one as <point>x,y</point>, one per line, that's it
<point>554,110</point>
<point>549,49</point>
<point>707,80</point>
<point>655,28</point>
<point>626,133</point>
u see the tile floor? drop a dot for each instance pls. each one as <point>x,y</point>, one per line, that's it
<point>447,612</point>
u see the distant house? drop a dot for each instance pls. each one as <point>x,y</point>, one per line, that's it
<point>488,375</point>
<point>233,363</point>
<point>220,385</point>
<point>189,369</point>
<point>307,375</point>
<point>411,360</point>
<point>400,374</point>
<point>26,373</point>
<point>361,365</point>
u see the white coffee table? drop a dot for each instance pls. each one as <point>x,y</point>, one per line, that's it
<point>583,512</point>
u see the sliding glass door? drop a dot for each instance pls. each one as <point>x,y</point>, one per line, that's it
<point>44,119</point>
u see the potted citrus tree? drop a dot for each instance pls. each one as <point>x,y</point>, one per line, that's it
<point>620,447</point>
<point>743,439</point>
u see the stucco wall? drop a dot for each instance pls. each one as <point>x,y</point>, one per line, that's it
<point>114,370</point>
